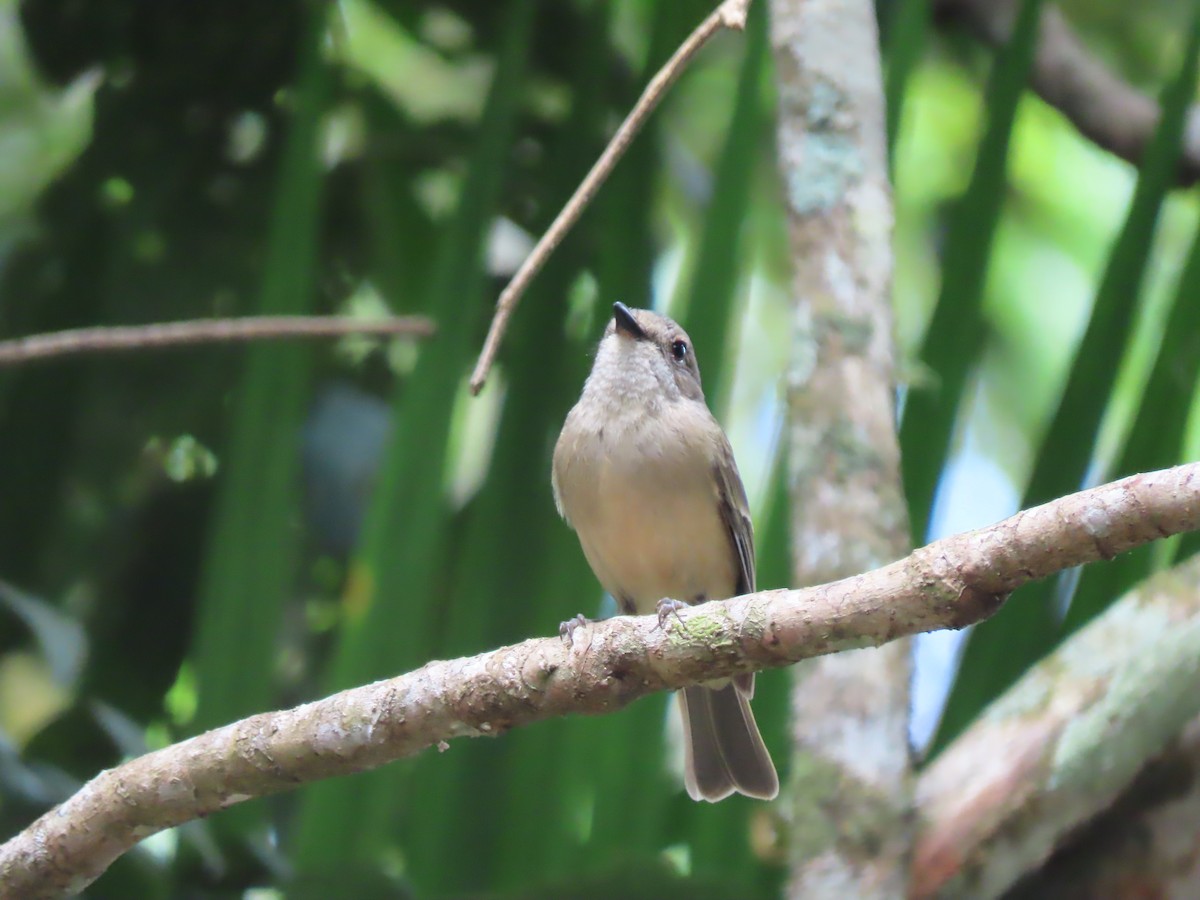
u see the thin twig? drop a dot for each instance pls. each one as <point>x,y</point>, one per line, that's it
<point>730,14</point>
<point>105,339</point>
<point>951,583</point>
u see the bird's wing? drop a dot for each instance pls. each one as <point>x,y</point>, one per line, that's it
<point>735,514</point>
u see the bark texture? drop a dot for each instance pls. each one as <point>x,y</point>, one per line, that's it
<point>1060,746</point>
<point>851,791</point>
<point>1145,844</point>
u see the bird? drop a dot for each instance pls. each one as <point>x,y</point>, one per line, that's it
<point>646,477</point>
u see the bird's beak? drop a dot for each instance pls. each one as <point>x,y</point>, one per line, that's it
<point>626,323</point>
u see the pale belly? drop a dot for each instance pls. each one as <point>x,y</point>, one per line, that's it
<point>653,530</point>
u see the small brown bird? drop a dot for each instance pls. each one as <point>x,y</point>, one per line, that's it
<point>646,477</point>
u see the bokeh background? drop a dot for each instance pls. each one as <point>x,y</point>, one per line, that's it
<point>193,536</point>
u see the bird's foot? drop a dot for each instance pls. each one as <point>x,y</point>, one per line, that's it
<point>567,629</point>
<point>667,608</point>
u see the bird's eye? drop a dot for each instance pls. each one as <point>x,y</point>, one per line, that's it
<point>679,350</point>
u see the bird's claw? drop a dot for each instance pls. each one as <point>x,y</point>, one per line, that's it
<point>567,629</point>
<point>667,608</point>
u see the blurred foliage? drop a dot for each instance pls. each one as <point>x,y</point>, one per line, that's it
<point>997,652</point>
<point>195,536</point>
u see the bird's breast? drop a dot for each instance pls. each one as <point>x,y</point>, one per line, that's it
<point>644,503</point>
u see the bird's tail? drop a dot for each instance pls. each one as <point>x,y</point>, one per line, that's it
<point>723,750</point>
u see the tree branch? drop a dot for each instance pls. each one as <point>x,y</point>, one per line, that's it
<point>730,14</point>
<point>1062,744</point>
<point>1144,844</point>
<point>110,338</point>
<point>1105,109</point>
<point>948,584</point>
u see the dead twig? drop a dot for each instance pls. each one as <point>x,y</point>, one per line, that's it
<point>730,14</point>
<point>108,339</point>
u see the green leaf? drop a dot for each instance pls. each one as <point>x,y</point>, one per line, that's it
<point>904,39</point>
<point>719,837</point>
<point>392,615</point>
<point>999,650</point>
<point>722,250</point>
<point>42,131</point>
<point>498,593</point>
<point>252,550</point>
<point>955,337</point>
<point>1155,441</point>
